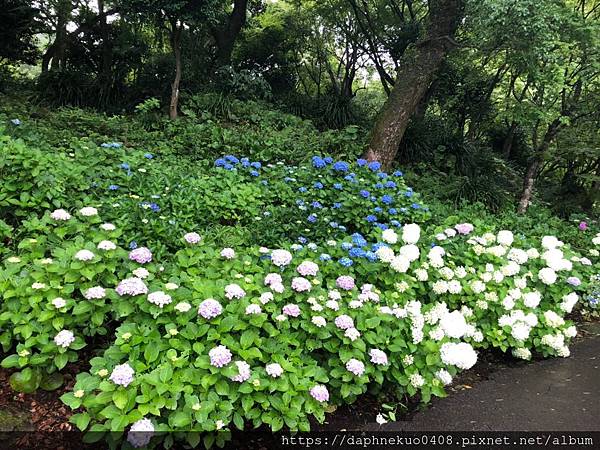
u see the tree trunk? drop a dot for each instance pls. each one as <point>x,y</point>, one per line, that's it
<point>176,47</point>
<point>60,42</point>
<point>417,69</point>
<point>227,35</point>
<point>528,182</point>
<point>508,141</point>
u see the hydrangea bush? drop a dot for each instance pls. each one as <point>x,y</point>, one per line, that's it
<point>366,294</point>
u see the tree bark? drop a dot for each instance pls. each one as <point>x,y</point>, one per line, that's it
<point>60,42</point>
<point>226,36</point>
<point>508,141</point>
<point>176,47</point>
<point>415,74</point>
<point>528,183</point>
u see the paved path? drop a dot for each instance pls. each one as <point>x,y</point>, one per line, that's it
<point>559,394</point>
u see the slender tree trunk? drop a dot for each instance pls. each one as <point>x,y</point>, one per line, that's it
<point>528,183</point>
<point>60,42</point>
<point>508,141</point>
<point>417,70</point>
<point>176,47</point>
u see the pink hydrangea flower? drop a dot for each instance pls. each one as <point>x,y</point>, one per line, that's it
<point>219,356</point>
<point>277,287</point>
<point>583,226</point>
<point>319,393</point>
<point>132,286</point>
<point>234,291</point>
<point>273,278</point>
<point>141,432</point>
<point>253,309</point>
<point>243,372</point>
<point>281,258</point>
<point>344,322</point>
<point>210,308</point>
<point>291,310</point>
<point>352,334</point>
<point>356,367</point>
<point>464,228</point>
<point>192,238</point>
<point>345,282</point>
<point>378,357</point>
<point>308,268</point>
<point>141,255</point>
<point>122,375</point>
<point>300,284</point>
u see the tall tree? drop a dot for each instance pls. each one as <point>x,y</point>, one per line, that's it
<point>226,32</point>
<point>415,73</point>
<point>17,38</point>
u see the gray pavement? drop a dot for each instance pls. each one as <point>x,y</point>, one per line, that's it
<point>558,394</point>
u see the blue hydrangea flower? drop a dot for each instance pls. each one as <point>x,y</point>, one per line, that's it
<point>133,245</point>
<point>382,175</point>
<point>371,218</point>
<point>365,194</point>
<point>377,209</point>
<point>341,166</point>
<point>312,218</point>
<point>113,187</point>
<point>333,224</point>
<point>371,256</point>
<point>324,257</point>
<point>387,199</point>
<point>415,206</point>
<point>361,162</point>
<point>374,166</point>
<point>148,155</point>
<point>395,223</point>
<point>302,189</point>
<point>392,211</point>
<point>312,246</point>
<point>346,262</point>
<point>318,185</point>
<point>15,122</point>
<point>398,173</point>
<point>299,202</point>
<point>347,245</point>
<point>328,159</point>
<point>302,240</point>
<point>288,179</point>
<point>378,245</point>
<point>390,184</point>
<point>408,194</point>
<point>256,165</point>
<point>379,186</point>
<point>125,166</point>
<point>232,159</point>
<point>264,182</point>
<point>403,210</point>
<point>337,205</point>
<point>245,163</point>
<point>318,162</point>
<point>316,205</point>
<point>342,228</point>
<point>338,186</point>
<point>220,162</point>
<point>357,252</point>
<point>382,226</point>
<point>254,173</point>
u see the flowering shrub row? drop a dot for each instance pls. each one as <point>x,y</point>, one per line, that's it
<point>213,339</point>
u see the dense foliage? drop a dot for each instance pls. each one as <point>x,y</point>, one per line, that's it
<point>242,293</point>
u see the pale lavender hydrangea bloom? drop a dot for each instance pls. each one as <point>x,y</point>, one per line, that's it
<point>141,255</point>
<point>307,268</point>
<point>274,370</point>
<point>210,308</point>
<point>60,214</point>
<point>59,302</point>
<point>352,334</point>
<point>220,356</point>
<point>464,228</point>
<point>108,227</point>
<point>319,393</point>
<point>266,297</point>
<point>344,322</point>
<point>281,258</point>
<point>131,286</point>
<point>234,291</point>
<point>356,367</point>
<point>64,338</point>
<point>106,245</point>
<point>378,357</point>
<point>95,293</point>
<point>345,282</point>
<point>253,309</point>
<point>273,278</point>
<point>228,253</point>
<point>140,433</point>
<point>122,375</point>
<point>243,372</point>
<point>277,287</point>
<point>84,255</point>
<point>159,298</point>
<point>574,281</point>
<point>300,284</point>
<point>140,272</point>
<point>291,310</point>
<point>192,238</point>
